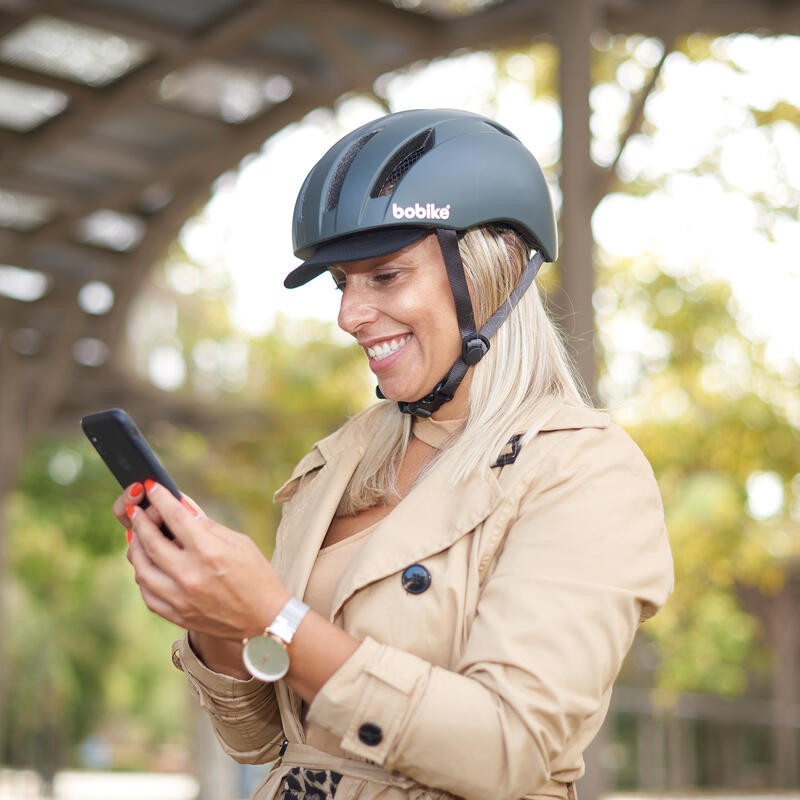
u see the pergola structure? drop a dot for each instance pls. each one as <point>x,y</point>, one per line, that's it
<point>117,115</point>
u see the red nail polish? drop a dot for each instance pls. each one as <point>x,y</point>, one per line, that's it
<point>149,484</point>
<point>130,510</point>
<point>136,489</point>
<point>129,535</point>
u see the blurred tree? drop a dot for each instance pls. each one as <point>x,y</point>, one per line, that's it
<point>86,655</point>
<point>72,642</point>
<point>710,416</point>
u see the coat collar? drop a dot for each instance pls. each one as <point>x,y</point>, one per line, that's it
<point>427,521</point>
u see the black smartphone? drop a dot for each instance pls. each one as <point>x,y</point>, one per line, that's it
<point>125,452</point>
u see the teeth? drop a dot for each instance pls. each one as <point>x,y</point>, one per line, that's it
<point>382,350</point>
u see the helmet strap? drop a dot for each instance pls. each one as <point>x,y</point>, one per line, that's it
<point>474,343</point>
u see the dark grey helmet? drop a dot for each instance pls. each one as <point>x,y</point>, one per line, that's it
<point>388,183</point>
<point>437,168</point>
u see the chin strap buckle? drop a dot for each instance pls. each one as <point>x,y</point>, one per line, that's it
<point>474,348</point>
<point>428,404</point>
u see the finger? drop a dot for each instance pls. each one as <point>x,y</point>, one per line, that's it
<point>149,576</point>
<point>192,506</point>
<point>133,495</point>
<point>154,514</point>
<point>161,551</point>
<point>161,607</point>
<point>176,515</point>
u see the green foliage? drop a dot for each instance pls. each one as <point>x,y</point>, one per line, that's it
<point>85,654</point>
<point>709,414</point>
<point>74,646</point>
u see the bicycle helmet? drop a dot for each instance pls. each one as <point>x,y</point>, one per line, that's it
<point>394,180</point>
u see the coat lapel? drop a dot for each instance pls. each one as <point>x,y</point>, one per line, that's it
<point>303,530</point>
<point>428,520</point>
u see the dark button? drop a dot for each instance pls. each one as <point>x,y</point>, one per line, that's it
<point>416,579</point>
<point>283,747</point>
<point>370,734</point>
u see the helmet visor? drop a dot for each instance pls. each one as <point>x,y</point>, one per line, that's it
<point>356,247</point>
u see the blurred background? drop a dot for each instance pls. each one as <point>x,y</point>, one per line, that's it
<point>150,154</point>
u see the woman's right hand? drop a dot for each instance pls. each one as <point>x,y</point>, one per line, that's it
<point>219,655</point>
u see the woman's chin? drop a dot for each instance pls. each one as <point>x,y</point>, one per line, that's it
<point>401,394</point>
<point>391,391</point>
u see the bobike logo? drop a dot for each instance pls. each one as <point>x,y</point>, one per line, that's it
<point>417,211</point>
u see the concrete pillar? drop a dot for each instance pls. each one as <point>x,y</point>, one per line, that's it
<point>681,754</point>
<point>651,757</point>
<point>785,635</point>
<point>598,778</point>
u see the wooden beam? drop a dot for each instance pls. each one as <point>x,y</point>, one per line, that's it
<point>347,66</point>
<point>17,16</point>
<point>506,24</point>
<point>384,19</point>
<point>110,385</point>
<point>234,143</point>
<point>230,34</point>
<point>718,17</point>
<point>116,20</point>
<point>73,90</point>
<point>29,185</point>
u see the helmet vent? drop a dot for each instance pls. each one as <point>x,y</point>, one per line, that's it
<point>401,162</point>
<point>345,162</point>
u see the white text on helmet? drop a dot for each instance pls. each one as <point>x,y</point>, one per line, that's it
<point>417,211</point>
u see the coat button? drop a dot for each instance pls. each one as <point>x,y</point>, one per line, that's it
<point>416,579</point>
<point>370,734</point>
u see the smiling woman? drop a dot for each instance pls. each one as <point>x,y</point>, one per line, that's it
<point>460,569</point>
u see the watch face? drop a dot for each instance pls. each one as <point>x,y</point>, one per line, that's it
<point>266,658</point>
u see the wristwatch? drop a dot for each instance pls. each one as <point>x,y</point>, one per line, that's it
<point>266,656</point>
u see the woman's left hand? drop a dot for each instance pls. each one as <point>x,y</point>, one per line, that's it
<point>210,579</point>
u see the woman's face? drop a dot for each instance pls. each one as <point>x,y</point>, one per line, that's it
<point>400,309</point>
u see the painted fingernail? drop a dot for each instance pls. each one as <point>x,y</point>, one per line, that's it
<point>193,510</point>
<point>136,489</point>
<point>130,510</point>
<point>129,535</point>
<point>150,484</point>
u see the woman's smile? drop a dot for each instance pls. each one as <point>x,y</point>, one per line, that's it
<point>384,354</point>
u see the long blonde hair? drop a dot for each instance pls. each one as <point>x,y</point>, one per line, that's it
<point>525,368</point>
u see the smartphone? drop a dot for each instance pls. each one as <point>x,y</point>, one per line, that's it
<point>125,452</point>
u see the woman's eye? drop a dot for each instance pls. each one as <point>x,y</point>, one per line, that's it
<point>385,277</point>
<point>339,284</point>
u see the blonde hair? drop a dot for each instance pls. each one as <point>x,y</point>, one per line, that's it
<point>526,368</point>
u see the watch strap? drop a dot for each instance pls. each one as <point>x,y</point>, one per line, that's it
<point>285,625</point>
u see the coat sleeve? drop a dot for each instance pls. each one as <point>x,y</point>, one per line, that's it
<point>584,562</point>
<point>243,713</point>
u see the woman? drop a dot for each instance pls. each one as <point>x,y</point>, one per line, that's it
<point>477,550</point>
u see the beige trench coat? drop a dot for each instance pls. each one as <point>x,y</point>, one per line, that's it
<point>492,682</point>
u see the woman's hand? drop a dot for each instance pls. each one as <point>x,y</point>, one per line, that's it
<point>217,584</point>
<point>210,579</point>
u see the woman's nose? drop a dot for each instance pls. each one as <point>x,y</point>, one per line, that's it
<point>355,308</point>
